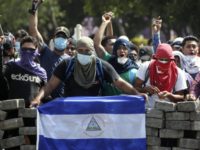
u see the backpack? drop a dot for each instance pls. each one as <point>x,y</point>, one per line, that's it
<point>99,69</point>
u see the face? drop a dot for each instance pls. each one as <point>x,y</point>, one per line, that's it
<point>109,46</point>
<point>84,51</point>
<point>70,50</point>
<point>133,55</point>
<point>28,45</point>
<point>190,48</point>
<point>122,51</point>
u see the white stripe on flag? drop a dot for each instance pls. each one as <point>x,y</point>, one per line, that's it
<point>91,126</point>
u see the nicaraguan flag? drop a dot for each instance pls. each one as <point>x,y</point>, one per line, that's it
<point>92,123</point>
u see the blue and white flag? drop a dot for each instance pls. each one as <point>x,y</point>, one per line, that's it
<point>92,123</point>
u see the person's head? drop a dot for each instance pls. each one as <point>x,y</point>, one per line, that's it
<point>145,53</point>
<point>177,44</point>
<point>29,42</point>
<point>8,45</point>
<point>60,39</point>
<point>71,47</point>
<point>179,59</point>
<point>108,42</point>
<point>121,48</point>
<point>18,37</point>
<point>85,50</point>
<point>190,45</point>
<point>133,54</point>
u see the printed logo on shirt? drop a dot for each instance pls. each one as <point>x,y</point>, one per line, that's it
<point>25,77</point>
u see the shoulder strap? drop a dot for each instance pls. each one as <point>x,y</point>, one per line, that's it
<point>70,68</point>
<point>100,73</point>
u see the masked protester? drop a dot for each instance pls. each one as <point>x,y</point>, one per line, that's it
<point>161,78</point>
<point>84,78</point>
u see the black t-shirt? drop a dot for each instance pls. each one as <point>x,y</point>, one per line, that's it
<point>73,89</point>
<point>22,83</point>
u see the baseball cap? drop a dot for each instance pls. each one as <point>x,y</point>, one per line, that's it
<point>64,30</point>
<point>145,50</point>
<point>177,42</point>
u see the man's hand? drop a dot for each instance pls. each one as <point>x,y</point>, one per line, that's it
<point>107,17</point>
<point>35,5</point>
<point>164,94</point>
<point>152,90</point>
<point>34,103</point>
<point>156,24</point>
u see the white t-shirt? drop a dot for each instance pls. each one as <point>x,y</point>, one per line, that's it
<point>180,82</point>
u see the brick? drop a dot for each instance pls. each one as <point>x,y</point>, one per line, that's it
<point>195,116</point>
<point>27,113</point>
<point>153,141</point>
<point>195,125</point>
<point>12,142</point>
<point>178,125</point>
<point>155,123</point>
<point>1,134</point>
<point>188,106</point>
<point>177,116</point>
<point>154,113</point>
<point>11,124</point>
<point>27,147</point>
<point>151,131</point>
<point>0,105</point>
<point>13,104</point>
<point>177,148</point>
<point>27,131</point>
<point>165,106</point>
<point>189,143</point>
<point>168,133</point>
<point>158,148</point>
<point>3,115</point>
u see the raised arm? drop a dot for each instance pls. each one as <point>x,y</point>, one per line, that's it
<point>106,19</point>
<point>156,27</point>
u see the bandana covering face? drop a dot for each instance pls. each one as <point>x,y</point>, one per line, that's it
<point>27,62</point>
<point>163,75</point>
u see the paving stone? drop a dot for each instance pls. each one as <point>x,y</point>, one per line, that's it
<point>195,116</point>
<point>155,123</point>
<point>27,131</point>
<point>177,148</point>
<point>189,143</point>
<point>1,134</point>
<point>13,104</point>
<point>12,142</point>
<point>188,106</point>
<point>195,125</point>
<point>165,106</point>
<point>11,124</point>
<point>27,113</point>
<point>27,147</point>
<point>158,148</point>
<point>3,115</point>
<point>177,116</point>
<point>153,141</point>
<point>151,131</point>
<point>168,133</point>
<point>154,113</point>
<point>178,125</point>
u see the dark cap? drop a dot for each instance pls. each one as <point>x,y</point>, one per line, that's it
<point>145,50</point>
<point>64,30</point>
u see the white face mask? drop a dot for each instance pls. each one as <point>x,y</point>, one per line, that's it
<point>122,60</point>
<point>84,59</point>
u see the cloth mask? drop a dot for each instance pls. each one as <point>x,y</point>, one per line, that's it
<point>192,64</point>
<point>84,59</point>
<point>122,60</point>
<point>60,43</point>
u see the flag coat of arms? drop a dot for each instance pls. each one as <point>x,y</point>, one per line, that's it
<point>92,123</point>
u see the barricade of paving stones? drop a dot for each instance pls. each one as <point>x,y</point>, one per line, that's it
<point>12,127</point>
<point>169,126</point>
<point>173,126</point>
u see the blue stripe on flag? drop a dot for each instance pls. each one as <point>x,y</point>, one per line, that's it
<point>92,144</point>
<point>125,104</point>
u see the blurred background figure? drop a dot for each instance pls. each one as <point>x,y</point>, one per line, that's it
<point>177,44</point>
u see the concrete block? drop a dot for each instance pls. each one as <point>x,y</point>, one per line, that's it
<point>27,147</point>
<point>189,143</point>
<point>195,116</point>
<point>12,142</point>
<point>11,124</point>
<point>27,131</point>
<point>177,148</point>
<point>195,125</point>
<point>1,134</point>
<point>151,131</point>
<point>0,105</point>
<point>188,106</point>
<point>178,125</point>
<point>165,106</point>
<point>155,123</point>
<point>154,113</point>
<point>158,148</point>
<point>153,141</point>
<point>3,115</point>
<point>168,133</point>
<point>27,113</point>
<point>177,116</point>
<point>13,104</point>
